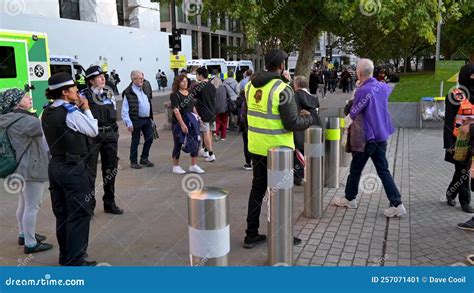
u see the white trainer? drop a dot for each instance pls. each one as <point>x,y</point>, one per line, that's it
<point>211,158</point>
<point>178,170</point>
<point>395,211</point>
<point>203,154</point>
<point>341,201</point>
<point>196,169</point>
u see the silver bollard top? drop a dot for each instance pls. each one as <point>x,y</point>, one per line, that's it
<point>280,158</point>
<point>314,135</point>
<point>208,193</point>
<point>332,122</point>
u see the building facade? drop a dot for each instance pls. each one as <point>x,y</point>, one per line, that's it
<point>226,42</point>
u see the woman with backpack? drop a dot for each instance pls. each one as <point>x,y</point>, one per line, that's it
<point>26,137</point>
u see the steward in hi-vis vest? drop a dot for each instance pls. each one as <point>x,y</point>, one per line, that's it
<point>272,116</point>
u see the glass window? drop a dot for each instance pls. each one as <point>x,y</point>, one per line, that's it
<point>222,21</point>
<point>60,68</point>
<point>165,11</point>
<point>120,14</point>
<point>69,9</point>
<point>7,62</point>
<point>204,21</point>
<point>194,40</point>
<point>181,17</point>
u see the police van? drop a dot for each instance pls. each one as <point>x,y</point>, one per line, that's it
<point>24,63</point>
<point>70,65</point>
<point>211,64</point>
<point>239,67</point>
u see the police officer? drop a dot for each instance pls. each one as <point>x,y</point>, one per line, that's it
<point>272,116</point>
<point>102,104</point>
<point>67,122</point>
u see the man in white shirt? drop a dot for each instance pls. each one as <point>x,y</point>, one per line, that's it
<point>137,114</point>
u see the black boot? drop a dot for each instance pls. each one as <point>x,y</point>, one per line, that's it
<point>250,242</point>
<point>39,238</point>
<point>450,201</point>
<point>112,208</point>
<point>37,248</point>
<point>467,208</point>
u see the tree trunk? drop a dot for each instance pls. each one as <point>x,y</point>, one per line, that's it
<point>306,51</point>
<point>416,63</point>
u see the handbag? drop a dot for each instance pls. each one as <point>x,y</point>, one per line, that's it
<point>156,135</point>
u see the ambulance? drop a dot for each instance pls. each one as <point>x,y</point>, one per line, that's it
<point>25,64</point>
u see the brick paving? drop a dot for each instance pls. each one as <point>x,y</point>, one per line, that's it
<point>426,236</point>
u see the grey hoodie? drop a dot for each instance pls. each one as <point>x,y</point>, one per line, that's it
<point>27,139</point>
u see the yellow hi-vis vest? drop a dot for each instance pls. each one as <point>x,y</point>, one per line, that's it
<point>265,128</point>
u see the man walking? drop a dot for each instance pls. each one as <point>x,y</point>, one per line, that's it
<point>137,114</point>
<point>268,127</point>
<point>205,95</point>
<point>371,100</point>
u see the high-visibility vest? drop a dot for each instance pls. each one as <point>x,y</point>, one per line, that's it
<point>265,128</point>
<point>465,112</point>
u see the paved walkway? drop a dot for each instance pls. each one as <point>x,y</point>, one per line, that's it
<point>153,230</point>
<point>427,235</point>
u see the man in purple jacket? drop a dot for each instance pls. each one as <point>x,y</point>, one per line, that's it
<point>371,101</point>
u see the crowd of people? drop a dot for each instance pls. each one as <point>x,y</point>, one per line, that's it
<point>268,108</point>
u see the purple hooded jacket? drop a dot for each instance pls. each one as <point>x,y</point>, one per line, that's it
<point>371,99</point>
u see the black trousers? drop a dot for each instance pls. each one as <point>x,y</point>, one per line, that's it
<point>104,144</point>
<point>245,138</point>
<point>259,187</point>
<point>145,126</point>
<point>70,187</point>
<point>460,184</point>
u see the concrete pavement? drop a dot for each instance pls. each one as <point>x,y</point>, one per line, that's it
<point>153,230</point>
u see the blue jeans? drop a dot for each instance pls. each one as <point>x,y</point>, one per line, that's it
<point>377,152</point>
<point>142,125</point>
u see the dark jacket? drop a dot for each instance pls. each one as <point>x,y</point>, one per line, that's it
<point>191,140</point>
<point>356,137</point>
<point>313,83</point>
<point>452,103</point>
<point>132,100</point>
<point>308,102</point>
<point>290,117</point>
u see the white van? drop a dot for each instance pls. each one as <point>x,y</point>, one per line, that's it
<point>239,67</point>
<point>59,63</point>
<point>210,64</point>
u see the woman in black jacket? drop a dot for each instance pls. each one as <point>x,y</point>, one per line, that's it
<point>460,182</point>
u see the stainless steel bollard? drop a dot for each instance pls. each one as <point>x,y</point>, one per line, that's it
<point>332,152</point>
<point>313,172</point>
<point>280,206</point>
<point>345,157</point>
<point>209,231</point>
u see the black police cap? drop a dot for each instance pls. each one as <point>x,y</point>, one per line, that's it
<point>94,71</point>
<point>60,80</point>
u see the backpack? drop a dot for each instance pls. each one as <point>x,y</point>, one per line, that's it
<point>8,162</point>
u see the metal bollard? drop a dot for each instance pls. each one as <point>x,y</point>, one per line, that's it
<point>313,187</point>
<point>332,152</point>
<point>280,206</point>
<point>345,157</point>
<point>209,231</point>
